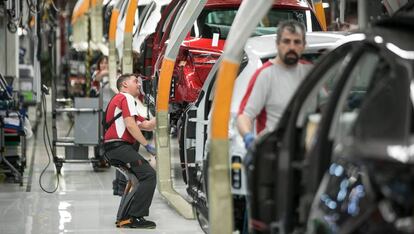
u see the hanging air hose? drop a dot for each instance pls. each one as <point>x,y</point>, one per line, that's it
<point>48,145</point>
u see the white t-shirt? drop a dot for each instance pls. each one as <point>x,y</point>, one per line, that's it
<point>269,91</point>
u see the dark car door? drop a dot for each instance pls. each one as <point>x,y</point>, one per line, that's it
<point>363,63</point>
<point>317,122</point>
<point>278,157</point>
<point>372,108</point>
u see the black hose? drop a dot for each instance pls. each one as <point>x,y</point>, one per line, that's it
<point>47,144</point>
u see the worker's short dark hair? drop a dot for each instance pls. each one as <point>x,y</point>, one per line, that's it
<point>292,26</point>
<point>123,78</point>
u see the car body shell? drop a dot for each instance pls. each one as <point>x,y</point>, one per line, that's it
<point>197,54</point>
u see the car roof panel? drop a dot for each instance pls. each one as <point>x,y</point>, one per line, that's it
<point>265,46</point>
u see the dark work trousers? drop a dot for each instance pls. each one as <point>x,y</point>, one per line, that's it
<point>146,176</point>
<point>119,183</point>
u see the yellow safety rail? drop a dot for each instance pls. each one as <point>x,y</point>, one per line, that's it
<point>320,12</point>
<point>81,7</point>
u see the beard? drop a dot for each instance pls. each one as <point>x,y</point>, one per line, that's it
<point>291,58</point>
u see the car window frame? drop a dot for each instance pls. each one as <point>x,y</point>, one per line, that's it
<point>174,21</point>
<point>317,155</point>
<point>344,94</point>
<point>169,22</point>
<point>143,16</point>
<point>397,71</point>
<point>168,10</point>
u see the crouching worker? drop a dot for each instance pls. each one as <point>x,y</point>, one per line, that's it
<point>118,144</point>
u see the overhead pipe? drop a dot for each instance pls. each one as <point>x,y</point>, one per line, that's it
<point>183,25</point>
<point>219,188</point>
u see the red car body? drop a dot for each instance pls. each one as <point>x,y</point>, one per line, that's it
<point>197,54</point>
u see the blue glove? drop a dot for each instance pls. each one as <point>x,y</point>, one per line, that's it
<point>151,149</point>
<point>248,139</point>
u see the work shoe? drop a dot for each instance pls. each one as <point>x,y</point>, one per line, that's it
<point>139,222</point>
